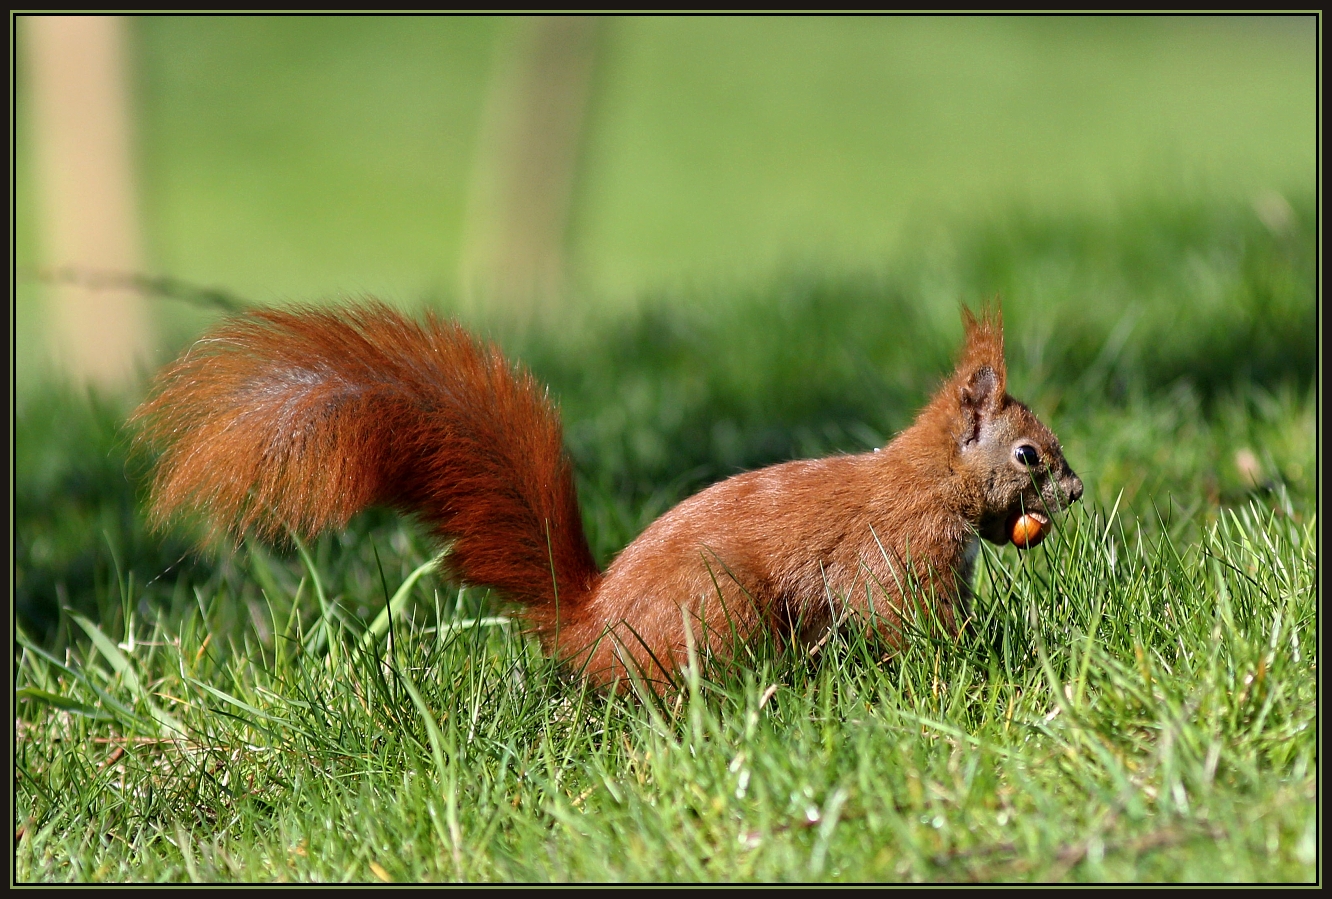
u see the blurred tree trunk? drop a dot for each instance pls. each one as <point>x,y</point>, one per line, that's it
<point>514,245</point>
<point>77,67</point>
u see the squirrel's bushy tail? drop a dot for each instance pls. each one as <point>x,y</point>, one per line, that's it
<point>298,419</point>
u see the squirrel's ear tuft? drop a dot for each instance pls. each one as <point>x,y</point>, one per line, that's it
<point>984,347</point>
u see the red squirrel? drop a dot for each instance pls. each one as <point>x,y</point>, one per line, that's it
<point>291,421</point>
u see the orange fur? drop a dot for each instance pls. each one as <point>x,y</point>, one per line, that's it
<point>298,419</point>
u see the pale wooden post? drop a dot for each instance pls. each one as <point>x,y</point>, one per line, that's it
<point>77,68</point>
<point>522,184</point>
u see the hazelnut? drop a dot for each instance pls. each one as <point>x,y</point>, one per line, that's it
<point>1028,529</point>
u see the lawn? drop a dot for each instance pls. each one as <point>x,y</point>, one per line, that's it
<point>1138,699</point>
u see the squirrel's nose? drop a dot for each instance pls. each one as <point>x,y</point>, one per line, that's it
<point>1074,488</point>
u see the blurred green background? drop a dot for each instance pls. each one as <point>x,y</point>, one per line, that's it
<point>294,158</point>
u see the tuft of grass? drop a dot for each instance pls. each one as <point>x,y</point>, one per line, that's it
<point>1129,708</point>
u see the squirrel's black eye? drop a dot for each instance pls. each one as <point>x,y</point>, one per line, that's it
<point>1027,455</point>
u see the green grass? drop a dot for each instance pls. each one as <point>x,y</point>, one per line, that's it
<point>1157,722</point>
<point>1137,701</point>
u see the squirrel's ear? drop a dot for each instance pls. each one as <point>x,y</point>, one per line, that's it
<point>981,389</point>
<point>980,395</point>
<point>984,344</point>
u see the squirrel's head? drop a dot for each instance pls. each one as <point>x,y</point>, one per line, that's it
<point>1011,464</point>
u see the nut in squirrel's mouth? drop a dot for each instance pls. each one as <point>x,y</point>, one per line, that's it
<point>1027,529</point>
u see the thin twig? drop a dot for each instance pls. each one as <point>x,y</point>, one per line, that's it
<point>148,285</point>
